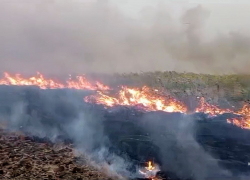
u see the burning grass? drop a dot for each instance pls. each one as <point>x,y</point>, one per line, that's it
<point>79,82</point>
<point>151,97</point>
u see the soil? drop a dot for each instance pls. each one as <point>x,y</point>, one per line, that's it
<point>25,158</point>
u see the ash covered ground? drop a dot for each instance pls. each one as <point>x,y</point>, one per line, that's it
<point>121,138</point>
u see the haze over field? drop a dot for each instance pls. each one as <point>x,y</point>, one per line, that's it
<point>83,36</point>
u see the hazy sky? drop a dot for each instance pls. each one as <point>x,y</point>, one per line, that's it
<point>225,15</point>
<point>81,36</point>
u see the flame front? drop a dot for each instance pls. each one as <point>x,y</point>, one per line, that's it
<point>244,120</point>
<point>134,96</point>
<point>212,110</point>
<point>39,80</point>
<point>145,97</point>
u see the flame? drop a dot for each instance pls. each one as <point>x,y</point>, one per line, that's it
<point>210,109</point>
<point>244,120</point>
<point>150,171</point>
<point>82,83</point>
<point>43,83</point>
<point>134,96</point>
<point>145,96</point>
<point>150,167</point>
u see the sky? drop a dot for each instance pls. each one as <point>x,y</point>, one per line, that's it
<point>117,36</point>
<point>225,15</point>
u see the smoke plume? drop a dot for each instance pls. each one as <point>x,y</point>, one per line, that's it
<point>58,37</point>
<point>179,150</point>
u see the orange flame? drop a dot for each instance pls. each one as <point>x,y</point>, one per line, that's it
<point>43,83</point>
<point>212,110</point>
<point>127,96</point>
<point>133,96</point>
<point>150,171</point>
<point>244,120</point>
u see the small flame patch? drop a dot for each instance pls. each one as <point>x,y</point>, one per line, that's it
<point>150,171</point>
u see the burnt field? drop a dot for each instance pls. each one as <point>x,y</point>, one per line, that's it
<point>125,138</point>
<point>124,90</point>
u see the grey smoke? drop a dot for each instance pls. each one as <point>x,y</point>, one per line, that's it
<point>95,36</point>
<point>61,113</point>
<point>179,150</point>
<point>53,115</point>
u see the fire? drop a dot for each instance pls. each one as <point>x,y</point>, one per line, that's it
<point>244,120</point>
<point>150,171</point>
<point>82,83</point>
<point>144,97</point>
<point>134,96</point>
<point>44,83</point>
<point>150,167</point>
<point>210,109</point>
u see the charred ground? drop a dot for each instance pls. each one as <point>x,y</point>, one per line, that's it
<point>185,146</point>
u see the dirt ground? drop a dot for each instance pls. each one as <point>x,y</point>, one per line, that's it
<point>22,158</point>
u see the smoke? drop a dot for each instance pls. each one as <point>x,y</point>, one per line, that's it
<point>86,36</point>
<point>179,150</point>
<point>61,115</point>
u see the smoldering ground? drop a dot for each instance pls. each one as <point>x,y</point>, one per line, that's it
<point>62,115</point>
<point>85,36</point>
